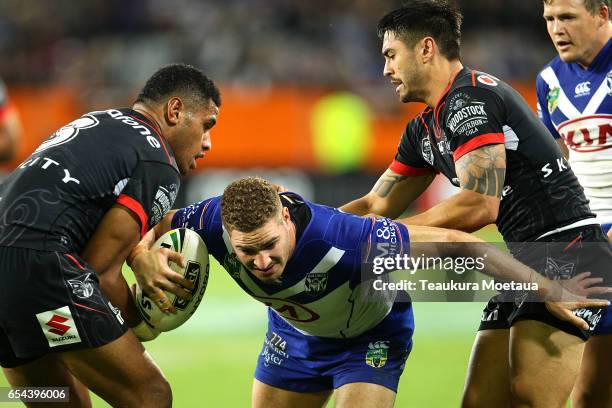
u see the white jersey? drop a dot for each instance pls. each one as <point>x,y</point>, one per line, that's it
<point>576,105</point>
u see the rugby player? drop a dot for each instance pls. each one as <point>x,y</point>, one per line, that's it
<point>481,134</point>
<point>575,103</point>
<point>326,329</point>
<point>10,126</point>
<point>69,216</point>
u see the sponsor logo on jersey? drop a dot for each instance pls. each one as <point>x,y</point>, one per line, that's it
<point>555,269</point>
<point>164,199</point>
<point>58,327</point>
<point>116,312</point>
<point>592,317</point>
<point>315,283</point>
<point>272,356</point>
<point>553,98</point>
<point>487,80</point>
<point>587,134</point>
<point>68,132</point>
<point>426,150</point>
<point>467,119</point>
<point>82,286</point>
<point>377,354</point>
<point>582,89</point>
<point>289,310</point>
<point>275,341</point>
<point>609,83</point>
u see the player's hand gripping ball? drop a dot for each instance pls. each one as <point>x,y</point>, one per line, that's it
<point>195,254</point>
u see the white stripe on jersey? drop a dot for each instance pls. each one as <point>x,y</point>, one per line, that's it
<point>511,140</point>
<point>597,98</point>
<point>563,102</point>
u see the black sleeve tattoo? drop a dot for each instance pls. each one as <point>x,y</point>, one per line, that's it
<point>386,182</point>
<point>483,170</point>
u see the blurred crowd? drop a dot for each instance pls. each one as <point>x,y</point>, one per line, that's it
<point>253,42</point>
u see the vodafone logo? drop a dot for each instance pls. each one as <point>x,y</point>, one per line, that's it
<point>487,80</point>
<point>57,325</point>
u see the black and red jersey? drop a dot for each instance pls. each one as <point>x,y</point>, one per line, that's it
<point>55,199</point>
<point>540,194</point>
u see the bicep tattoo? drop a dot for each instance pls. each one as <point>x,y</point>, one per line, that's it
<point>483,170</point>
<point>386,182</point>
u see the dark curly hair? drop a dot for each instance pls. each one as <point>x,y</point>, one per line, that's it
<point>417,19</point>
<point>180,79</point>
<point>249,203</point>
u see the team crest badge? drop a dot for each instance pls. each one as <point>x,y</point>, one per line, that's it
<point>232,265</point>
<point>426,150</point>
<point>553,98</point>
<point>82,286</point>
<point>377,354</point>
<point>609,82</point>
<point>315,283</point>
<point>556,270</point>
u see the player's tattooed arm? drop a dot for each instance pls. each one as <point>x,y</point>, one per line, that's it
<point>481,175</point>
<point>391,195</point>
<point>386,182</point>
<point>483,170</point>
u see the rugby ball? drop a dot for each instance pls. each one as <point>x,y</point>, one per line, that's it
<point>195,254</point>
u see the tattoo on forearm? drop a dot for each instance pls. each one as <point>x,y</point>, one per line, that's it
<point>483,170</point>
<point>385,184</point>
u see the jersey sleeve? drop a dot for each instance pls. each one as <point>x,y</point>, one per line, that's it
<point>194,216</point>
<point>542,91</point>
<point>408,162</point>
<point>150,192</point>
<point>473,118</point>
<point>384,243</point>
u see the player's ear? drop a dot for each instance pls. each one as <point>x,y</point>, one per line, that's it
<point>174,109</point>
<point>604,14</point>
<point>427,48</point>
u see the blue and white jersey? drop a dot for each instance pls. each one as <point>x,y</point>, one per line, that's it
<point>321,291</point>
<point>576,105</point>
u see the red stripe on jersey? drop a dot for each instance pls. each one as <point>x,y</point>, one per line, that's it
<point>73,259</point>
<point>478,141</point>
<point>161,139</point>
<point>473,78</point>
<point>89,308</point>
<point>409,171</point>
<point>137,209</point>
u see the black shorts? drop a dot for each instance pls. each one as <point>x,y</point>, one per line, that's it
<point>51,302</point>
<point>559,256</point>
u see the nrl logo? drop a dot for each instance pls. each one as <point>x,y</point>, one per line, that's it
<point>82,289</point>
<point>426,150</point>
<point>553,98</point>
<point>377,354</point>
<point>315,283</point>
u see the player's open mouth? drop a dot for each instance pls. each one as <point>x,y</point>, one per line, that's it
<point>398,85</point>
<point>563,45</point>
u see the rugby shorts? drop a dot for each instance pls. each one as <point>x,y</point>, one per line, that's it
<point>563,255</point>
<point>297,362</point>
<point>51,302</point>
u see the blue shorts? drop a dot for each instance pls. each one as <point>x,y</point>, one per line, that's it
<point>606,227</point>
<point>297,362</point>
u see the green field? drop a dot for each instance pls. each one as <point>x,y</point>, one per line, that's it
<point>210,360</point>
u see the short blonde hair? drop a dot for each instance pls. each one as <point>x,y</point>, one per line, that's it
<point>248,203</point>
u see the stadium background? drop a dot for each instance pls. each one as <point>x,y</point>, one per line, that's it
<point>304,103</point>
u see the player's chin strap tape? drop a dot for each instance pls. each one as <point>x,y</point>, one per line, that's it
<point>144,332</point>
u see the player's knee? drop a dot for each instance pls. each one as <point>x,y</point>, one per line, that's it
<point>158,393</point>
<point>523,393</point>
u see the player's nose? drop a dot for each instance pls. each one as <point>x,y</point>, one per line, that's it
<point>387,71</point>
<point>262,260</point>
